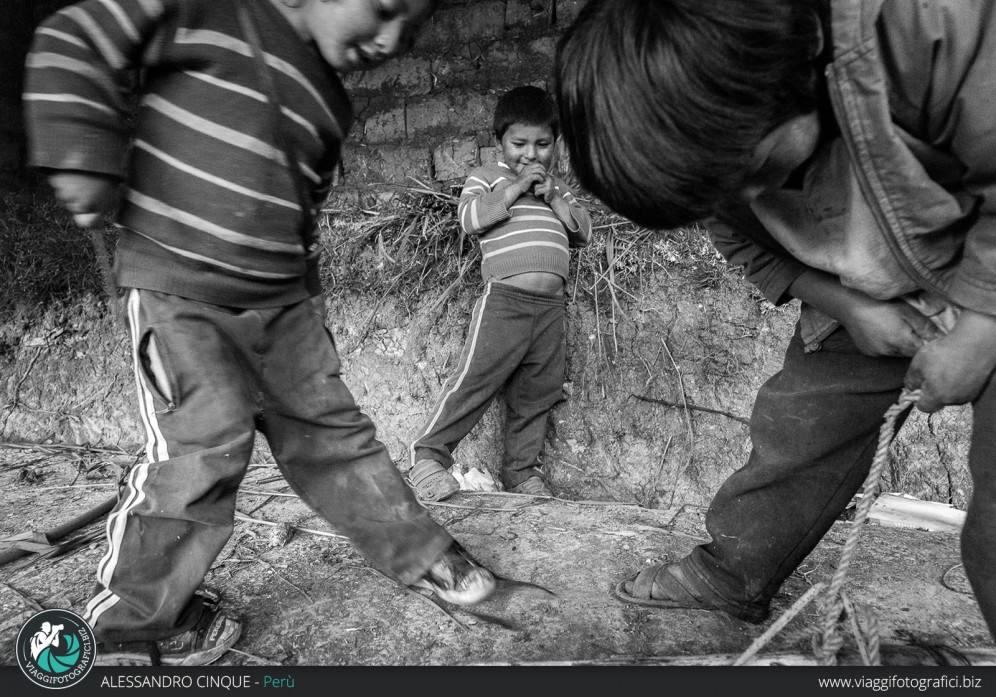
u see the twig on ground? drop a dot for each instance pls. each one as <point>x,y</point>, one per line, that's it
<point>693,407</point>
<point>280,576</point>
<point>75,486</point>
<point>56,447</point>
<point>17,388</point>
<point>688,420</point>
<point>296,528</point>
<point>580,502</point>
<point>258,659</point>
<point>447,504</point>
<point>660,465</point>
<point>267,492</point>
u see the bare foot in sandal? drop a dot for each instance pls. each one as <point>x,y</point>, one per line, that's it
<point>669,586</point>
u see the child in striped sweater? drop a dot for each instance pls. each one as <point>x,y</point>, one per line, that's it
<point>526,220</point>
<point>239,127</point>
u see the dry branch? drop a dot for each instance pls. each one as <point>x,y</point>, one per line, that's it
<point>693,407</point>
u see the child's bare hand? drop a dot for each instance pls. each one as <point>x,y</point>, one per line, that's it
<point>546,189</point>
<point>86,195</point>
<point>954,369</point>
<point>891,328</point>
<point>531,175</point>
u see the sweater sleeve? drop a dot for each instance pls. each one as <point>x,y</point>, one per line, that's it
<point>79,74</point>
<point>482,202</point>
<point>581,235</point>
<point>739,236</point>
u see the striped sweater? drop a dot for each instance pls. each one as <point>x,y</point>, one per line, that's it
<point>526,236</point>
<point>210,210</point>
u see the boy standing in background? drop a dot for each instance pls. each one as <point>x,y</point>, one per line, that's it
<point>526,220</point>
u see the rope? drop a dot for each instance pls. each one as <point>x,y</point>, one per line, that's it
<point>863,621</point>
<point>836,602</point>
<point>778,624</point>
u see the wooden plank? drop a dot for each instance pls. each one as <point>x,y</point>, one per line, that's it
<point>899,510</point>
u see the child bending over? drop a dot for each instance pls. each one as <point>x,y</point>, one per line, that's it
<point>842,152</point>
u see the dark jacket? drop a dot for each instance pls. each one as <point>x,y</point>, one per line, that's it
<point>902,204</point>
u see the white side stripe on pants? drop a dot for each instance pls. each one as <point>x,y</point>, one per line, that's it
<point>134,493</point>
<point>475,330</point>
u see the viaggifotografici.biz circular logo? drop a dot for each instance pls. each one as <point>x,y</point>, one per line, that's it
<point>55,649</point>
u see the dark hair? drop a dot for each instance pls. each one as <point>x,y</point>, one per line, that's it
<point>527,105</point>
<point>662,102</point>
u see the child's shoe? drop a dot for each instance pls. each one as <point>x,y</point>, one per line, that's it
<point>534,486</point>
<point>431,481</point>
<point>457,578</point>
<point>205,642</point>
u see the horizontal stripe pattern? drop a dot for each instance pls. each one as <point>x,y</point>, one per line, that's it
<point>208,193</point>
<point>524,237</point>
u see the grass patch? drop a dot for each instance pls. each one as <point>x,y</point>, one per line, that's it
<point>411,249</point>
<point>44,256</point>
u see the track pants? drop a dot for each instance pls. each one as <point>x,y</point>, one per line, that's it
<point>208,377</point>
<point>815,428</point>
<point>516,340</point>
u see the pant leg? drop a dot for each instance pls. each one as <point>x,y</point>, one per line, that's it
<point>814,429</point>
<point>536,385</point>
<point>328,451</point>
<point>978,536</point>
<point>175,510</point>
<point>496,342</point>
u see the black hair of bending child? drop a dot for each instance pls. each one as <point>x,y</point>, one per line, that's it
<point>528,105</point>
<point>662,102</point>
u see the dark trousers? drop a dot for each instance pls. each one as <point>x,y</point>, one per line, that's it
<point>516,340</point>
<point>815,429</point>
<point>208,377</point>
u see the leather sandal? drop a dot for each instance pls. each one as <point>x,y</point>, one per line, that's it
<point>668,586</point>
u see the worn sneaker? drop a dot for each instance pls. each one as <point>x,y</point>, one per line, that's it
<point>534,486</point>
<point>205,642</point>
<point>457,578</point>
<point>431,481</point>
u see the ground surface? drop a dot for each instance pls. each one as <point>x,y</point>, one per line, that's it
<point>308,599</point>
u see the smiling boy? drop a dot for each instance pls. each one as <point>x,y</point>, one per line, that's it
<point>240,122</point>
<point>526,220</point>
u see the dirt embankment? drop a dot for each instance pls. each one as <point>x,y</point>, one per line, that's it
<point>660,379</point>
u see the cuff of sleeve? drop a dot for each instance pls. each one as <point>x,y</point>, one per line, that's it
<point>82,150</point>
<point>973,295</point>
<point>775,284</point>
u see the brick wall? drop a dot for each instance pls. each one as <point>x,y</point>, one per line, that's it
<point>427,115</point>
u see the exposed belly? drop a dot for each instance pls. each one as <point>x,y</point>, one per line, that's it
<point>537,281</point>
